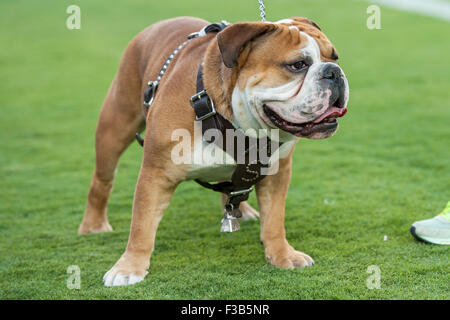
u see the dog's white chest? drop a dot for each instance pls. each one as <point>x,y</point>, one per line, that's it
<point>210,163</point>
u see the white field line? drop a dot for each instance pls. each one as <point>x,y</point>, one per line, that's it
<point>434,8</point>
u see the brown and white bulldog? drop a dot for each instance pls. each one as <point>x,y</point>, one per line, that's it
<point>260,75</point>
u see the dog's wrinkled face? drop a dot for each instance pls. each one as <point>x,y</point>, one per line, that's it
<point>287,77</point>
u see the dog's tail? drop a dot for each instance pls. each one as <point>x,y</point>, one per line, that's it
<point>139,139</point>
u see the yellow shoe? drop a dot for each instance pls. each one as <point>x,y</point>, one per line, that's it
<point>435,230</point>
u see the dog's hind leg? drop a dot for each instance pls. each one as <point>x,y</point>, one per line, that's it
<point>116,130</point>
<point>120,118</point>
<point>248,212</point>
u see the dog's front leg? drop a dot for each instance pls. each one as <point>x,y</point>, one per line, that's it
<point>153,192</point>
<point>271,193</point>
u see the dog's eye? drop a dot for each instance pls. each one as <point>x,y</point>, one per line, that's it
<point>297,66</point>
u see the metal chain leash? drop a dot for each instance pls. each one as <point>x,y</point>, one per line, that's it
<point>150,92</point>
<point>262,10</point>
<point>153,85</point>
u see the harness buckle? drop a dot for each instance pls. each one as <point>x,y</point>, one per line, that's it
<point>197,34</point>
<point>196,97</point>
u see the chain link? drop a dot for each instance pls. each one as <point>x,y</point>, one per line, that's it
<point>262,10</point>
<point>150,92</point>
<point>169,60</point>
<point>152,86</point>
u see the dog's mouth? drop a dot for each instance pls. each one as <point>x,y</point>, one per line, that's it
<point>324,123</point>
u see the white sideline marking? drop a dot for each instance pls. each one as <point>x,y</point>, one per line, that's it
<point>434,8</point>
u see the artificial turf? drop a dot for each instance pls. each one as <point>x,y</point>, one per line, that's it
<point>388,165</point>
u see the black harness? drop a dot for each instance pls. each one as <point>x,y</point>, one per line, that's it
<point>248,169</point>
<point>247,173</point>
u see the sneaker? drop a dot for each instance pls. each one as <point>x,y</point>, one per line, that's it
<point>435,230</point>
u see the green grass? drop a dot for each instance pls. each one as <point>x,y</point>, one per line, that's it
<point>388,166</point>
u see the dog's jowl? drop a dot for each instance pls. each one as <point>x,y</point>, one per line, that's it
<point>259,78</point>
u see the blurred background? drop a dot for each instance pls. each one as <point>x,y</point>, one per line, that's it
<point>388,165</point>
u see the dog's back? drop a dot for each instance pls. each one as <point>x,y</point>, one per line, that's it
<point>142,59</point>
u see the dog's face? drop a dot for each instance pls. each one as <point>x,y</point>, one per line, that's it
<point>286,77</point>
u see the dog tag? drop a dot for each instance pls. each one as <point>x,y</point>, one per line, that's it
<point>229,222</point>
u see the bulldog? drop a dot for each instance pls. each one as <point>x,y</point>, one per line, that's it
<point>281,76</point>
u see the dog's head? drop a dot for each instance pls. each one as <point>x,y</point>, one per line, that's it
<point>286,76</point>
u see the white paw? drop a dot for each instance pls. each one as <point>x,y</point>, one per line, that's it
<point>114,278</point>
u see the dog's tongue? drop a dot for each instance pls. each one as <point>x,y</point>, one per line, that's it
<point>332,112</point>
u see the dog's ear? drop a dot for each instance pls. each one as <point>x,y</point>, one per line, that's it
<point>314,24</point>
<point>233,39</point>
<point>334,54</point>
<point>307,21</point>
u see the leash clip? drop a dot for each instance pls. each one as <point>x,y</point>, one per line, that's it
<point>197,34</point>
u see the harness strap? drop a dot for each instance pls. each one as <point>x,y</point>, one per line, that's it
<point>248,171</point>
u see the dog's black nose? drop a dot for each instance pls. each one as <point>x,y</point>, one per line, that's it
<point>331,71</point>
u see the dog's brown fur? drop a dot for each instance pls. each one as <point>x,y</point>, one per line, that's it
<point>122,116</point>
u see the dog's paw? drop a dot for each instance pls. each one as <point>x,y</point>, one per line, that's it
<point>289,258</point>
<point>115,278</point>
<point>126,271</point>
<point>86,228</point>
<point>247,211</point>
